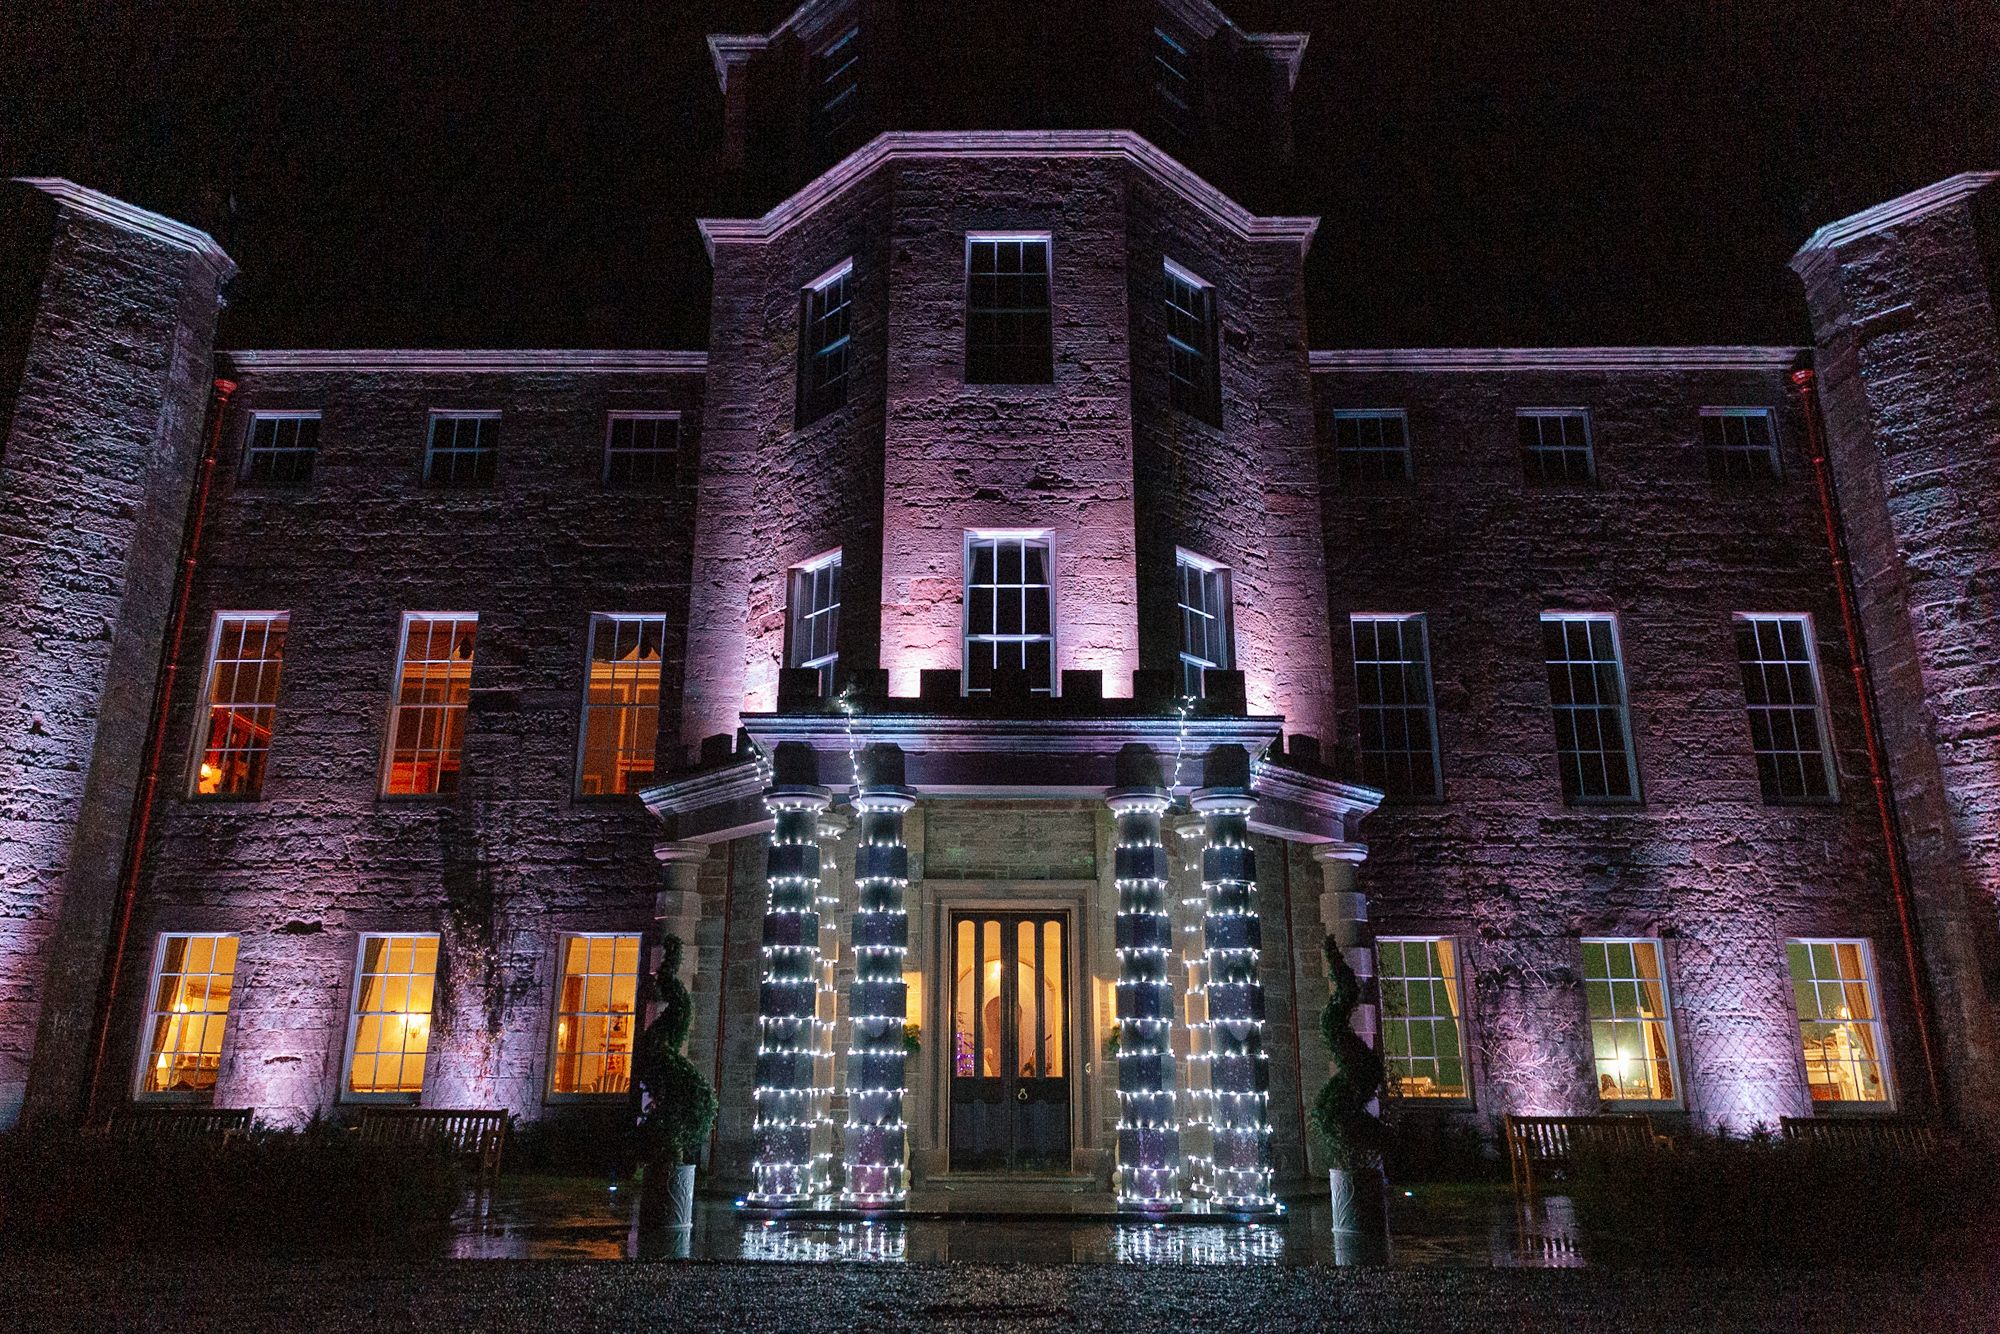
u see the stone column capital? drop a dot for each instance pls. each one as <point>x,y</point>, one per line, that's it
<point>1340,851</point>
<point>1153,799</point>
<point>887,797</point>
<point>1223,801</point>
<point>673,853</point>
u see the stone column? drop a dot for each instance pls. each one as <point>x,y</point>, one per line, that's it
<point>877,1148</point>
<point>785,1170</point>
<point>1197,1151</point>
<point>1148,1127</point>
<point>677,907</point>
<point>1343,910</point>
<point>832,900</point>
<point>1239,1070</point>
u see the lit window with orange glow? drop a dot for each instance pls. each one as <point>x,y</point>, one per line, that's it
<point>1423,1029</point>
<point>433,683</point>
<point>1631,1028</point>
<point>1840,1021</point>
<point>246,653</point>
<point>621,705</point>
<point>389,1033</point>
<point>597,1015</point>
<point>187,1010</point>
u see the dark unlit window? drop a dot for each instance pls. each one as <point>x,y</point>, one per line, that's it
<point>1782,692</point>
<point>1392,685</point>
<point>1008,338</point>
<point>825,344</point>
<point>815,618</point>
<point>281,449</point>
<point>1740,444</point>
<point>1555,446</point>
<point>837,85</point>
<point>639,450</point>
<point>464,448</point>
<point>1194,383</point>
<point>1205,630</point>
<point>1176,71</point>
<point>1372,447</point>
<point>1587,692</point>
<point>1009,604</point>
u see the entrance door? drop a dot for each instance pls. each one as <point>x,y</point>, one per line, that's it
<point>1010,1042</point>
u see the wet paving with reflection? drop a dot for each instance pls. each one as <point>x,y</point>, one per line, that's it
<point>546,1218</point>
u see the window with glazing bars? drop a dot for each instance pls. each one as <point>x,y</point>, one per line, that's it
<point>1008,336</point>
<point>281,449</point>
<point>1371,447</point>
<point>1392,686</point>
<point>1840,1020</point>
<point>1193,372</point>
<point>433,685</point>
<point>389,1031</point>
<point>186,1012</point>
<point>1555,446</point>
<point>1008,611</point>
<point>1205,620</point>
<point>825,344</point>
<point>1176,80</point>
<point>837,85</point>
<point>1587,692</point>
<point>640,449</point>
<point>1781,689</point>
<point>621,704</point>
<point>815,619</point>
<point>246,655</point>
<point>1631,1025</point>
<point>1740,444</point>
<point>596,1015</point>
<point>1423,1029</point>
<point>463,449</point>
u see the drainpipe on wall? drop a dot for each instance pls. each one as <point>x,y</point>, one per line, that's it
<point>1804,381</point>
<point>156,739</point>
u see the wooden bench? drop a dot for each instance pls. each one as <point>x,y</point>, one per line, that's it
<point>1539,1146</point>
<point>476,1134</point>
<point>1887,1136</point>
<point>179,1124</point>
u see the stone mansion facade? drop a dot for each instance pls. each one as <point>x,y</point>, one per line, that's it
<point>1005,656</point>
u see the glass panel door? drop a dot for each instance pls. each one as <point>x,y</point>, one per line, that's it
<point>1010,1040</point>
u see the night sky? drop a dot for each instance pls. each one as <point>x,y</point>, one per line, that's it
<point>524,173</point>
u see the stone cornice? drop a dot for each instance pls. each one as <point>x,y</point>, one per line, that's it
<point>925,734</point>
<point>744,780</point>
<point>1717,358</point>
<point>469,361</point>
<point>912,145</point>
<point>1313,792</point>
<point>1901,209</point>
<point>1287,48</point>
<point>103,208</point>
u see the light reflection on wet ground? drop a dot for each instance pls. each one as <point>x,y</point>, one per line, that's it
<point>568,1219</point>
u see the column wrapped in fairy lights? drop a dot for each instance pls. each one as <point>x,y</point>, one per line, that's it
<point>1238,1069</point>
<point>878,1000</point>
<point>786,1169</point>
<point>1196,1160</point>
<point>1148,1126</point>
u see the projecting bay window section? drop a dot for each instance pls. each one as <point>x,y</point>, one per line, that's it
<point>246,655</point>
<point>427,718</point>
<point>462,451</point>
<point>813,622</point>
<point>1423,1018</point>
<point>1840,1024</point>
<point>1741,444</point>
<point>1631,1024</point>
<point>621,705</point>
<point>1009,609</point>
<point>1009,336</point>
<point>1371,448</point>
<point>825,342</point>
<point>640,450</point>
<point>187,1009</point>
<point>389,1029</point>
<point>281,449</point>
<point>596,1018</point>
<point>1781,690</point>
<point>1193,372</point>
<point>1587,693</point>
<point>1555,446</point>
<point>1392,687</point>
<point>1206,630</point>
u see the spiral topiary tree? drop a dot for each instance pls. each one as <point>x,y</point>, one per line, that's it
<point>1347,1129</point>
<point>680,1106</point>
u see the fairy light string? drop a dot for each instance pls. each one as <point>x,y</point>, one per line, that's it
<point>877,1140</point>
<point>1148,1122</point>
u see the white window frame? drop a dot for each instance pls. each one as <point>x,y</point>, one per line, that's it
<point>152,1015</point>
<point>1422,628</point>
<point>556,1013</point>
<point>1589,443</point>
<point>1770,419</point>
<point>198,748</point>
<point>261,415</point>
<point>396,703</point>
<point>1891,1100</point>
<point>807,410</point>
<point>1665,1020</point>
<point>1048,244</point>
<point>1047,538</point>
<point>430,446</point>
<point>1810,631</point>
<point>796,612</point>
<point>1225,617</point>
<point>599,618</point>
<point>1636,795</point>
<point>611,420</point>
<point>1462,977</point>
<point>1401,417</point>
<point>346,1075</point>
<point>1210,317</point>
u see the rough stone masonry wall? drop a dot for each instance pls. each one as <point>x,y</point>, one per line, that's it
<point>1502,863</point>
<point>512,861</point>
<point>94,478</point>
<point>1909,377</point>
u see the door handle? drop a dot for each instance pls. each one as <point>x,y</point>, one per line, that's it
<point>1021,1093</point>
